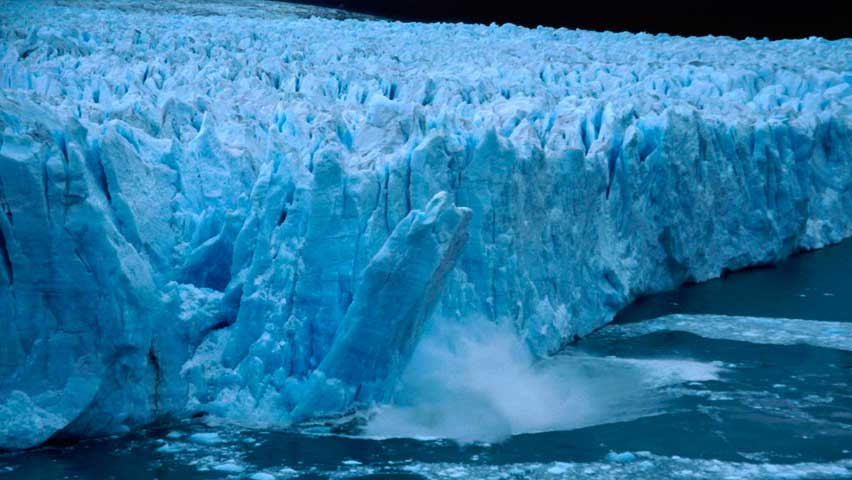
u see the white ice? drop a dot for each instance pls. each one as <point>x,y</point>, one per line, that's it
<point>771,331</point>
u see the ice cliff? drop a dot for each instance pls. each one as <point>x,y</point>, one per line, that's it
<point>236,211</point>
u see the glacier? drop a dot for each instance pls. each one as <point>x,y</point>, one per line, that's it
<point>241,210</point>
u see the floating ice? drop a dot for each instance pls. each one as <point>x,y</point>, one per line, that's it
<point>640,465</point>
<point>262,476</point>
<point>171,448</point>
<point>229,467</point>
<point>206,438</point>
<point>219,209</point>
<point>773,331</point>
<point>620,457</point>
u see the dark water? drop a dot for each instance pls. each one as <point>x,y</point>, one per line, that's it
<point>815,285</point>
<point>762,411</point>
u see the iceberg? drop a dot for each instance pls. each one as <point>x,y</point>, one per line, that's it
<point>249,213</point>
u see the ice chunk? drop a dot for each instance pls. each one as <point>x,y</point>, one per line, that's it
<point>620,457</point>
<point>206,438</point>
<point>171,448</point>
<point>229,467</point>
<point>262,476</point>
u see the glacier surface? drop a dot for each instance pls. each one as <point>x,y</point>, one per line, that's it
<point>238,211</point>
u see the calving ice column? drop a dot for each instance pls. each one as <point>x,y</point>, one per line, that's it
<point>257,217</point>
<point>399,289</point>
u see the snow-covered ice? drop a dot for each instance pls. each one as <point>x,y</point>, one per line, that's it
<point>227,210</point>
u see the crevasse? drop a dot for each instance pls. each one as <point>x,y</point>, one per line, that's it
<point>242,212</point>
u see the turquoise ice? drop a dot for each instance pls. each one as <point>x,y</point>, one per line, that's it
<point>257,216</point>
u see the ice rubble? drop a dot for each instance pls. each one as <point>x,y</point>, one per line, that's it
<point>205,211</point>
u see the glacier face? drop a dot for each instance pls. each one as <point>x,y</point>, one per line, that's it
<point>239,211</point>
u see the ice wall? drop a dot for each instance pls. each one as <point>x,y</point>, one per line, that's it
<point>254,216</point>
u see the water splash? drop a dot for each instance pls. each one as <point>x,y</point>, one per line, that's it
<point>479,383</point>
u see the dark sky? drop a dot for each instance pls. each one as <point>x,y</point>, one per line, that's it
<point>744,18</point>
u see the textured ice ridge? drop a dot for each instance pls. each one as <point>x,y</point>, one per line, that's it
<point>239,213</point>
